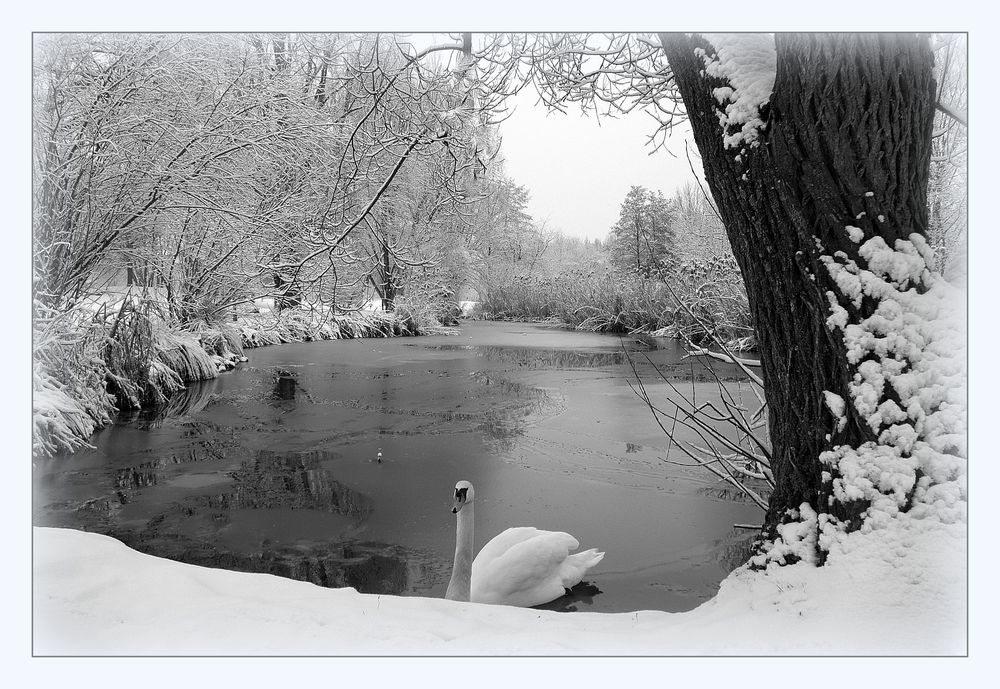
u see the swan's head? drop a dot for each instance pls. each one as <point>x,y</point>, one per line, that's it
<point>463,495</point>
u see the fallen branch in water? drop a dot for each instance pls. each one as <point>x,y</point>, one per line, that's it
<point>728,358</point>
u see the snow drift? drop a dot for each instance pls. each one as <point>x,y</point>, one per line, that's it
<point>93,595</point>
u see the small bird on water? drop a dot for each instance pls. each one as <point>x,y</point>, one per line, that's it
<point>379,457</point>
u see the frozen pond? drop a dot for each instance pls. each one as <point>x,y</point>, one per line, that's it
<point>273,467</point>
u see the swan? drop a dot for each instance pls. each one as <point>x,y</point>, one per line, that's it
<point>522,566</point>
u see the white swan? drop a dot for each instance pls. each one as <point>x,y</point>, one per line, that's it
<point>522,566</point>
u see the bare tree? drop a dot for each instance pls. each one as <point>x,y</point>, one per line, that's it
<point>948,222</point>
<point>217,169</point>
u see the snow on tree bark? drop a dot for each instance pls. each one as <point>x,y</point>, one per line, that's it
<point>826,210</point>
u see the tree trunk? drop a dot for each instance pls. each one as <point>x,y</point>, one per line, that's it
<point>388,285</point>
<point>638,245</point>
<point>846,143</point>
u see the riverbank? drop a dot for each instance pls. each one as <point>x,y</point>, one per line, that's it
<point>95,596</point>
<point>81,379</point>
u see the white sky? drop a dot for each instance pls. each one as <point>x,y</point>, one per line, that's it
<point>579,168</point>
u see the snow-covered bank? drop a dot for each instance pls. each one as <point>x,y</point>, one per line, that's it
<point>93,595</point>
<point>77,389</point>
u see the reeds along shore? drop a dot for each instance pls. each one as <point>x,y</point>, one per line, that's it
<point>87,365</point>
<point>699,301</point>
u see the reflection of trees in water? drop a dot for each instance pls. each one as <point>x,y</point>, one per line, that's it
<point>146,474</point>
<point>284,387</point>
<point>516,405</point>
<point>670,363</point>
<point>527,357</point>
<point>537,357</point>
<point>508,388</point>
<point>369,567</point>
<point>732,494</point>
<point>298,480</point>
<point>188,531</point>
<point>295,480</point>
<point>190,400</point>
<point>734,551</point>
<point>511,406</point>
<point>149,473</point>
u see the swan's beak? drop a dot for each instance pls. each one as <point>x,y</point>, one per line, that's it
<point>459,504</point>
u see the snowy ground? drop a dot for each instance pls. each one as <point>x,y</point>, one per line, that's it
<point>95,596</point>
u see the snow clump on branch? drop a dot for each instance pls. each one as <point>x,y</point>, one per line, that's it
<point>748,61</point>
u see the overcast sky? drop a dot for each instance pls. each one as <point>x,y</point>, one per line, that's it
<point>578,169</point>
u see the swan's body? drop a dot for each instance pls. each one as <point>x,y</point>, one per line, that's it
<point>523,566</point>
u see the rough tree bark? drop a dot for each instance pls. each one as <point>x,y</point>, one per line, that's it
<point>846,143</point>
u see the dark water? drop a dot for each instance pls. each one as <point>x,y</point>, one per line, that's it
<point>274,467</point>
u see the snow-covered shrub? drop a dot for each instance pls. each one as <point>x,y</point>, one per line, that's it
<point>710,303</point>
<point>69,397</point>
<point>185,355</point>
<point>63,415</point>
<point>694,299</point>
<point>428,316</point>
<point>147,361</point>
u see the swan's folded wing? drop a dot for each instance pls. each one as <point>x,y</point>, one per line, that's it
<point>504,541</point>
<point>525,573</point>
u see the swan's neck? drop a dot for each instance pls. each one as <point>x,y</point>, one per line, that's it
<point>461,572</point>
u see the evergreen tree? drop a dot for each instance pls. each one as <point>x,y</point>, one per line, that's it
<point>642,240</point>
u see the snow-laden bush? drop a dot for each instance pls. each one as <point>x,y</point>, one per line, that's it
<point>185,355</point>
<point>69,397</point>
<point>411,317</point>
<point>63,417</point>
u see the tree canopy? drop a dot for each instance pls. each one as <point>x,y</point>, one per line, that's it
<point>642,240</point>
